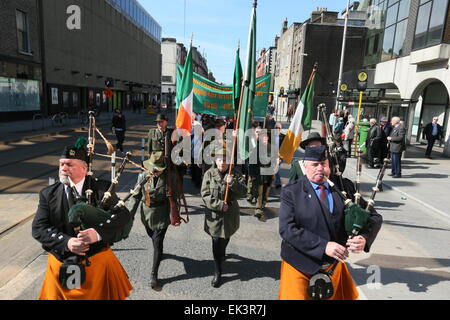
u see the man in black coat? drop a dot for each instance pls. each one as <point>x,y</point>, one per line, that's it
<point>396,146</point>
<point>432,132</point>
<point>373,144</point>
<point>119,127</point>
<point>52,229</point>
<point>311,225</point>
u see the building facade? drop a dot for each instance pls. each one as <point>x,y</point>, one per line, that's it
<point>21,86</point>
<point>414,52</point>
<point>89,43</point>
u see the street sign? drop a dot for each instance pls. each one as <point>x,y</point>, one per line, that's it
<point>362,81</point>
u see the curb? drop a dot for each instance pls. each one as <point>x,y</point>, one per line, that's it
<point>426,205</point>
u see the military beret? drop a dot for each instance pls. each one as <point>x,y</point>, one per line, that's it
<point>77,151</point>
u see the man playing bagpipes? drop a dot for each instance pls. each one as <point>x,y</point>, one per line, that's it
<point>81,264</point>
<point>318,232</point>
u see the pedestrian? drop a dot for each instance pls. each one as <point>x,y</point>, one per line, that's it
<point>432,132</point>
<point>279,137</point>
<point>119,127</point>
<point>373,144</point>
<point>312,228</point>
<point>334,116</point>
<point>349,135</point>
<point>222,218</point>
<point>397,146</point>
<point>386,129</point>
<point>338,128</point>
<point>105,278</point>
<point>153,203</point>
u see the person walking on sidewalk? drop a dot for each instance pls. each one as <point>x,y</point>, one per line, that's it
<point>373,144</point>
<point>397,146</point>
<point>432,132</point>
<point>105,278</point>
<point>221,219</point>
<point>349,135</point>
<point>119,127</point>
<point>314,237</point>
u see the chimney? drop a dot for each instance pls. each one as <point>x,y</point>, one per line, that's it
<point>284,26</point>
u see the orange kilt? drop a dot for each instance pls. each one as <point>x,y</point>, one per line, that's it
<point>294,284</point>
<point>106,279</point>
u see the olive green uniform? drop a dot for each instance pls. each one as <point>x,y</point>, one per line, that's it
<point>221,224</point>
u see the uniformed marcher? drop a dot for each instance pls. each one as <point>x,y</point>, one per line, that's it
<point>212,144</point>
<point>262,181</point>
<point>313,139</point>
<point>156,137</point>
<point>153,205</point>
<point>105,278</point>
<point>152,201</point>
<point>221,219</point>
<point>314,237</point>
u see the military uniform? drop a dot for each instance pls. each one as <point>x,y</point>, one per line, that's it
<point>220,224</point>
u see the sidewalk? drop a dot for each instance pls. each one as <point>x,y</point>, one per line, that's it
<point>15,131</point>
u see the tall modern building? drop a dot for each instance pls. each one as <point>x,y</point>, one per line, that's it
<point>21,84</point>
<point>87,43</point>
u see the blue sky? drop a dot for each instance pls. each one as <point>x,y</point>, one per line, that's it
<point>218,25</point>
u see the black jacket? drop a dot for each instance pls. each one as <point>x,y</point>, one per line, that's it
<point>50,225</point>
<point>119,122</point>
<point>428,130</point>
<point>305,228</point>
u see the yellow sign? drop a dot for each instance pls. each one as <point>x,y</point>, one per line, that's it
<point>362,76</point>
<point>344,87</point>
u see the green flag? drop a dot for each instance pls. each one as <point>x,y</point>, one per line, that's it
<point>237,81</point>
<point>248,95</point>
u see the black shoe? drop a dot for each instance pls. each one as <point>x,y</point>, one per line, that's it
<point>217,280</point>
<point>154,283</point>
<point>278,186</point>
<point>397,176</point>
<point>258,215</point>
<point>390,174</point>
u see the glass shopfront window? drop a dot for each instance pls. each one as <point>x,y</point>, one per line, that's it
<point>430,23</point>
<point>395,29</point>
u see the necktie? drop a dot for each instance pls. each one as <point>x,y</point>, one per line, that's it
<point>71,197</point>
<point>324,196</point>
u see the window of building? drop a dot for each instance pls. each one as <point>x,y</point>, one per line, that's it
<point>430,23</point>
<point>22,31</point>
<point>395,29</point>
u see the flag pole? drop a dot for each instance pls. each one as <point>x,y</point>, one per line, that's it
<point>233,150</point>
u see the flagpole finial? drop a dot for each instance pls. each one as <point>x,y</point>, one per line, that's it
<point>192,38</point>
<point>255,3</point>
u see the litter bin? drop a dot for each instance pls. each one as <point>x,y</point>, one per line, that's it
<point>364,128</point>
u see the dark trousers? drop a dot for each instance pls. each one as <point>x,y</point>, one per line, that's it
<point>196,174</point>
<point>396,165</point>
<point>219,247</point>
<point>430,145</point>
<point>120,139</point>
<point>157,237</point>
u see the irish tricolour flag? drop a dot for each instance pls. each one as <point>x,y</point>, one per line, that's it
<point>185,87</point>
<point>300,123</point>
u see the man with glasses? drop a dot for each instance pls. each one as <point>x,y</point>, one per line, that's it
<point>432,132</point>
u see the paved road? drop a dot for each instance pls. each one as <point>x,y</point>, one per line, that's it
<point>409,260</point>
